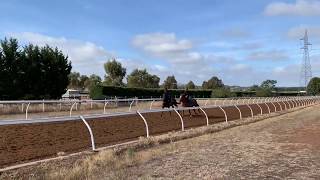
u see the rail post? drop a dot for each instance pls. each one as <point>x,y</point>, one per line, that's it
<point>70,113</point>
<point>27,108</point>
<point>145,123</point>
<point>22,107</point>
<point>295,103</point>
<point>250,110</point>
<point>260,108</point>
<point>275,107</point>
<point>90,132</point>
<point>268,107</point>
<point>239,111</point>
<point>60,106</point>
<point>279,105</point>
<point>225,114</point>
<point>42,105</point>
<point>205,104</point>
<point>151,104</point>
<point>207,119</point>
<point>285,105</point>
<point>181,119</point>
<point>105,107</point>
<point>131,104</point>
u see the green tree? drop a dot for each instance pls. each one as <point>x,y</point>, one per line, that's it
<point>268,84</point>
<point>83,81</point>
<point>190,85</point>
<point>32,72</point>
<point>142,79</point>
<point>74,80</point>
<point>93,81</point>
<point>10,69</point>
<point>254,88</point>
<point>212,83</point>
<point>313,87</point>
<point>170,82</point>
<point>114,73</point>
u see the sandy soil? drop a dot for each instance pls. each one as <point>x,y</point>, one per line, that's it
<point>277,148</point>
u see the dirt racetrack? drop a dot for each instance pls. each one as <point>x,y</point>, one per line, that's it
<point>24,142</point>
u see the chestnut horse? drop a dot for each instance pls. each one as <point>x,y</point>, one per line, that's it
<point>186,101</point>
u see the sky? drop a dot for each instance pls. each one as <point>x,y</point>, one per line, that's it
<point>242,42</point>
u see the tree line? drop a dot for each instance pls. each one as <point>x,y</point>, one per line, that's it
<point>32,72</point>
<point>138,78</point>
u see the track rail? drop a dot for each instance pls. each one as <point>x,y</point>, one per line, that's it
<point>25,140</point>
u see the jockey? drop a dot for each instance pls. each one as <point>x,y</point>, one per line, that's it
<point>166,96</point>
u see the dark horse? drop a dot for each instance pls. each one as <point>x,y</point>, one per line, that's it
<point>168,101</point>
<point>187,101</point>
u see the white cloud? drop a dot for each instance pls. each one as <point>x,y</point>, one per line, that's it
<point>273,55</point>
<point>86,57</point>
<point>299,8</point>
<point>162,44</point>
<point>178,54</point>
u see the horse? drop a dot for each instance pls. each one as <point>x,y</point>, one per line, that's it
<point>169,103</point>
<point>186,101</point>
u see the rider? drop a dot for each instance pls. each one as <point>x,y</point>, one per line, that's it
<point>166,96</point>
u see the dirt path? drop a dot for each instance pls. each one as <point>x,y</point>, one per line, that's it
<point>282,147</point>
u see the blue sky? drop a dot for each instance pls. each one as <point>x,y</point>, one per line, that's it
<point>242,42</point>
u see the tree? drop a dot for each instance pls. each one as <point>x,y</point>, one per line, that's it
<point>32,72</point>
<point>212,83</point>
<point>254,88</point>
<point>170,82</point>
<point>268,84</point>
<point>142,79</point>
<point>83,81</point>
<point>92,81</point>
<point>313,87</point>
<point>190,85</point>
<point>114,73</point>
<point>74,80</point>
<point>10,57</point>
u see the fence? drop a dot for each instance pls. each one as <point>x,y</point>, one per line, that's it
<point>26,140</point>
<point>61,107</point>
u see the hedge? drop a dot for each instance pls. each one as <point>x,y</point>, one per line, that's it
<point>100,92</point>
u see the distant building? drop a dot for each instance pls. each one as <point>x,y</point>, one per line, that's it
<point>76,94</point>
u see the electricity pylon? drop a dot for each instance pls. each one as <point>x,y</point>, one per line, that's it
<point>306,72</point>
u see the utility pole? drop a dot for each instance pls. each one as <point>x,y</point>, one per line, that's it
<point>306,73</point>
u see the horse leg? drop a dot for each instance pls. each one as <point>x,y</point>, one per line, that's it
<point>190,113</point>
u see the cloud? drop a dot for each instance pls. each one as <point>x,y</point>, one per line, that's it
<point>179,56</point>
<point>272,55</point>
<point>162,44</point>
<point>299,8</point>
<point>86,57</point>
